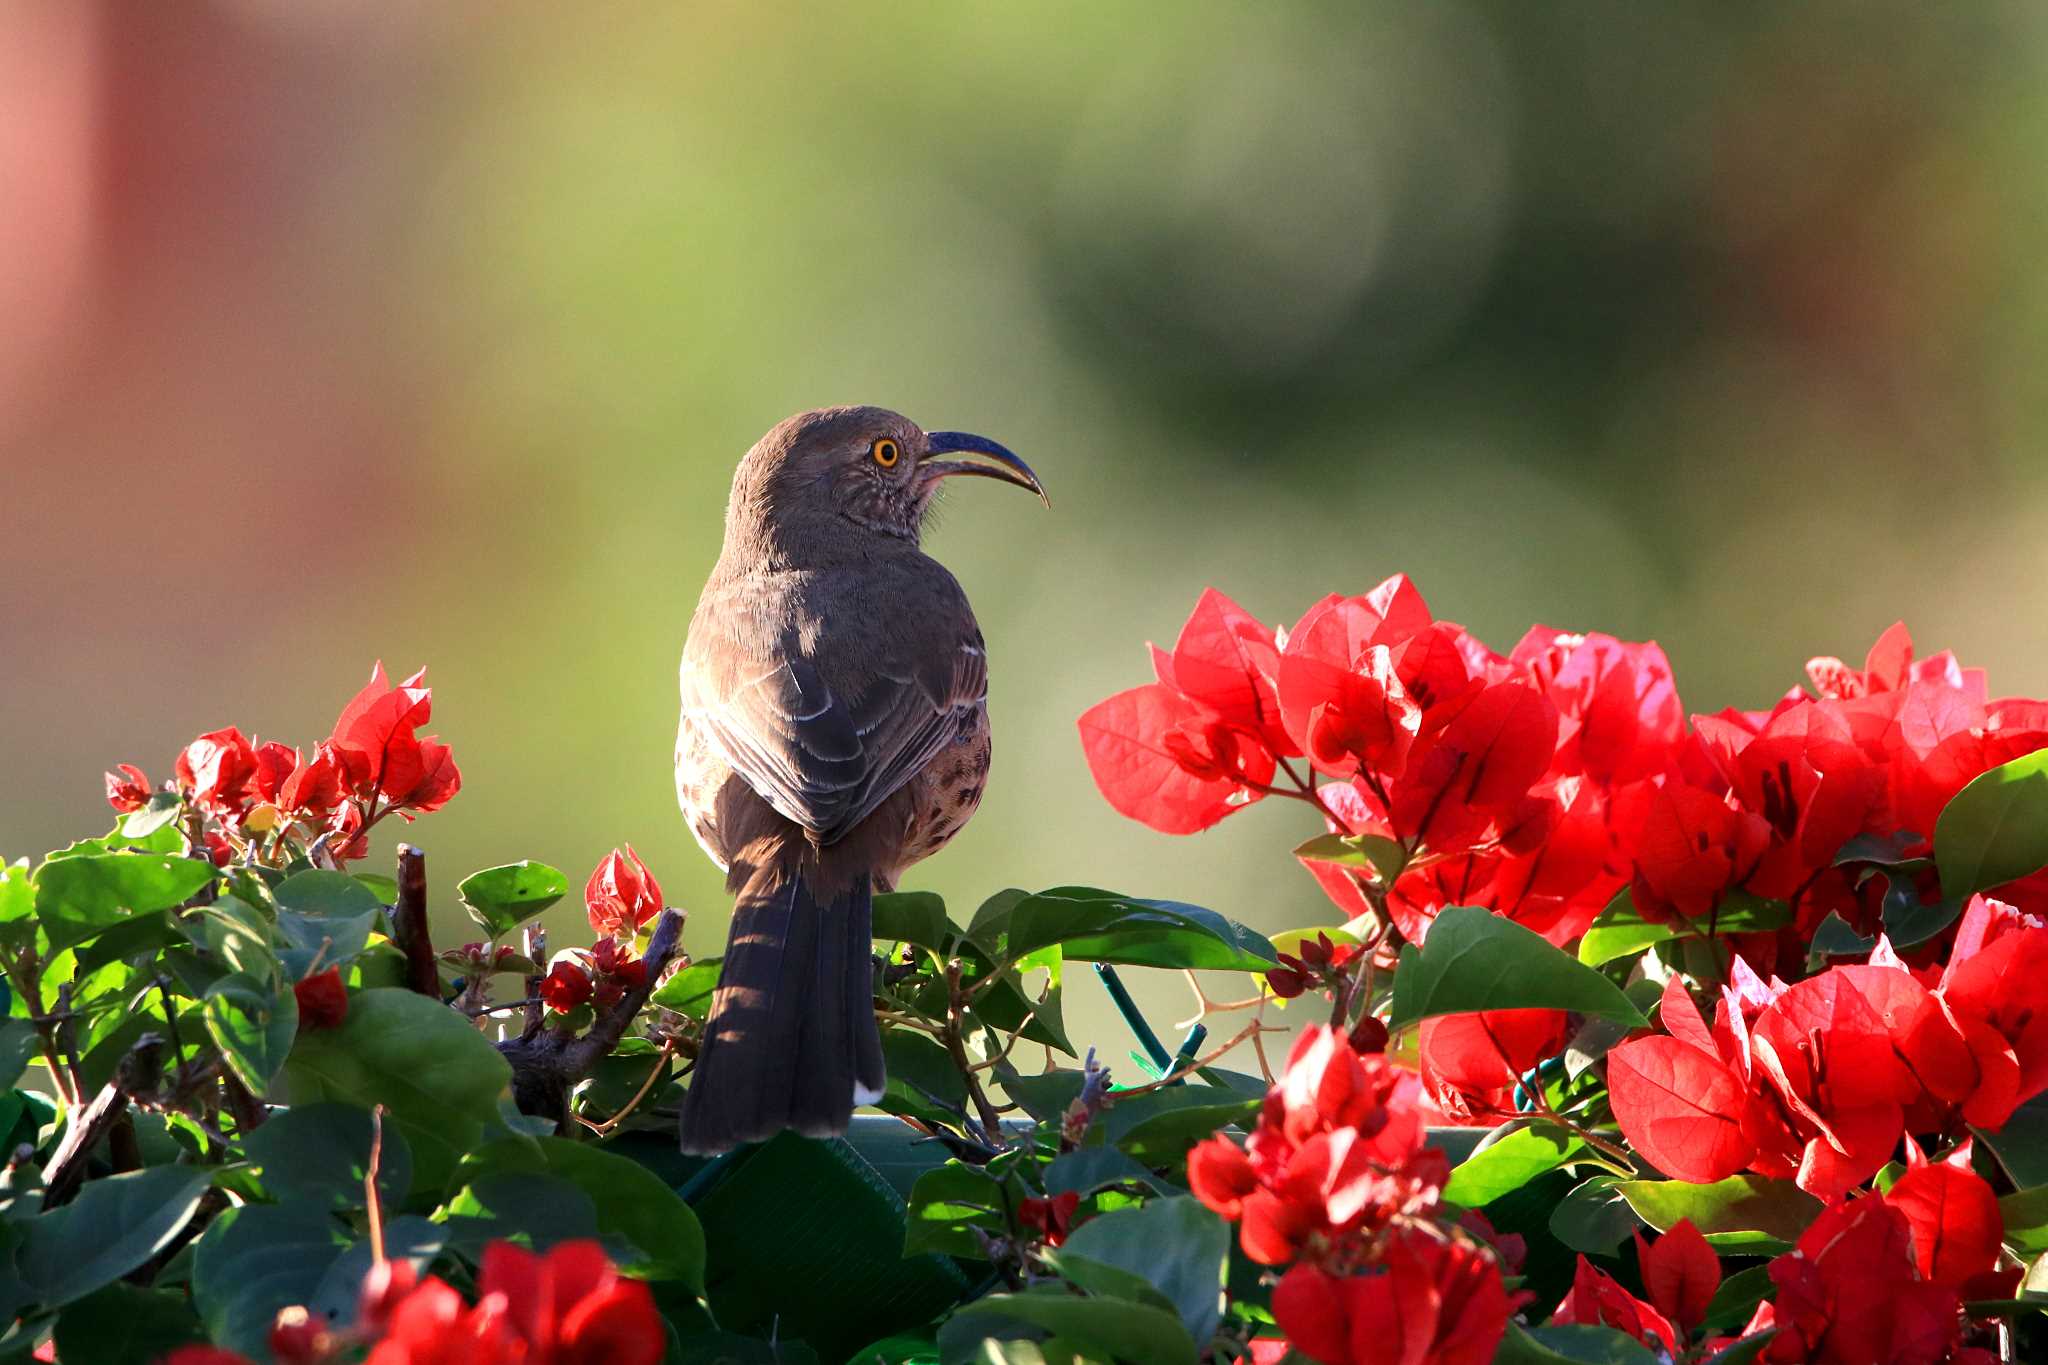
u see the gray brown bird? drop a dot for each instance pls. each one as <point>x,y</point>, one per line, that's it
<point>834,731</point>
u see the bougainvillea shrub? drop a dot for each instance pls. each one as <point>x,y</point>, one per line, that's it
<point>1634,1034</point>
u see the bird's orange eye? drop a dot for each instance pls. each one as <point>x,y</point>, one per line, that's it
<point>886,453</point>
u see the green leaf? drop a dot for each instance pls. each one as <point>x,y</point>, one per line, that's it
<point>407,1238</point>
<point>252,1022</point>
<point>1910,921</point>
<point>1158,1126</point>
<point>945,1204</point>
<point>1091,1168</point>
<point>632,1203</point>
<point>500,899</point>
<point>1573,1343</point>
<point>1743,1351</point>
<point>731,1348</point>
<point>436,1075</point>
<point>689,990</point>
<point>122,1322</point>
<point>1734,1303</point>
<point>1373,853</point>
<point>1175,1245</point>
<point>1091,925</point>
<point>500,1205</point>
<point>1741,1211</point>
<point>1620,930</point>
<point>76,898</point>
<point>922,1077</point>
<point>914,917</point>
<point>254,1260</point>
<point>18,1040</point>
<point>114,1225</point>
<point>17,904</point>
<point>1594,1217</point>
<point>1508,1163</point>
<point>2025,1213</point>
<point>1834,938</point>
<point>320,1154</point>
<point>1995,830</point>
<point>2021,1146</point>
<point>327,916</point>
<point>1475,960</point>
<point>1128,1331</point>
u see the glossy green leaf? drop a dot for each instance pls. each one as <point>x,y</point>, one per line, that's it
<point>500,899</point>
<point>633,1204</point>
<point>689,990</point>
<point>252,1022</point>
<point>1475,960</point>
<point>17,904</point>
<point>1373,853</point>
<point>319,1154</point>
<point>1743,1210</point>
<point>914,917</point>
<point>437,1076</point>
<point>945,1204</point>
<point>1995,830</point>
<point>114,1225</point>
<point>1175,1245</point>
<point>324,920</point>
<point>1092,925</point>
<point>1116,1327</point>
<point>1572,1343</point>
<point>2025,1213</point>
<point>2021,1145</point>
<point>1620,929</point>
<point>1734,1303</point>
<point>1508,1163</point>
<point>1594,1217</point>
<point>121,1322</point>
<point>76,898</point>
<point>252,1261</point>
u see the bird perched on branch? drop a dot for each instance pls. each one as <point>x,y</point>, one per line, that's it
<point>834,731</point>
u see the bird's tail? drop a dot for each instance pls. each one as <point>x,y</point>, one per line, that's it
<point>791,1039</point>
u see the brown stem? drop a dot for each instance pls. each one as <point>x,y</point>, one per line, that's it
<point>991,1122</point>
<point>534,939</point>
<point>249,1111</point>
<point>139,1073</point>
<point>545,1066</point>
<point>409,923</point>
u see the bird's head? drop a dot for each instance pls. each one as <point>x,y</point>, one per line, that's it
<point>873,468</point>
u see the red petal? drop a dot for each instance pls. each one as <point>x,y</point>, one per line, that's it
<point>1681,1273</point>
<point>1124,740</point>
<point>1955,1220</point>
<point>1678,1106</point>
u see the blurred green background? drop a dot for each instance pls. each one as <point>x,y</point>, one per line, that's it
<point>333,330</point>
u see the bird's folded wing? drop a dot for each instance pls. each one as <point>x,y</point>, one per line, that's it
<point>826,757</point>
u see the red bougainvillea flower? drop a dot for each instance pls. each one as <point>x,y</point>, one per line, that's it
<point>1434,1303</point>
<point>314,787</point>
<point>129,789</point>
<point>1225,662</point>
<point>1050,1218</point>
<point>1473,764</point>
<point>215,768</point>
<point>432,1325</point>
<point>621,894</point>
<point>1164,761</point>
<point>1619,718</point>
<point>1596,1300</point>
<point>1954,1218</point>
<point>204,1355</point>
<point>323,1000</point>
<point>565,986</point>
<point>1688,847</point>
<point>376,740</point>
<point>1990,987</point>
<point>572,1306</point>
<point>275,763</point>
<point>1470,1062</point>
<point>1849,1293</point>
<point>1336,1155</point>
<point>1680,1273</point>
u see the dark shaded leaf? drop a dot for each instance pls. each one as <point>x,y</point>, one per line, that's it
<point>320,1154</point>
<point>114,1225</point>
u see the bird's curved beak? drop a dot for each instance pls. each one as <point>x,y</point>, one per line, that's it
<point>1007,466</point>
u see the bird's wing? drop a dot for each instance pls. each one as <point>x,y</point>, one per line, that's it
<point>827,755</point>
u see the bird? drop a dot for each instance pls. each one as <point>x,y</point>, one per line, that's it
<point>834,731</point>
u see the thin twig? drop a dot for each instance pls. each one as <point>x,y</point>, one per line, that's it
<point>1250,1031</point>
<point>371,1202</point>
<point>605,1129</point>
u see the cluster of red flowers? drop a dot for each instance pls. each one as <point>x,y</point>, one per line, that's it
<point>1680,1273</point>
<point>1817,1081</point>
<point>255,794</point>
<point>620,898</point>
<point>1539,783</point>
<point>1335,1179</point>
<point>569,1307</point>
